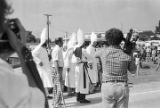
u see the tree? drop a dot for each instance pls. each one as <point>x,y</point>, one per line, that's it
<point>30,37</point>
<point>146,35</point>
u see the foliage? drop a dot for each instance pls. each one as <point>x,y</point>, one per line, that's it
<point>146,35</point>
<point>30,37</point>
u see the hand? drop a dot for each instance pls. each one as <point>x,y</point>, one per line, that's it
<point>15,43</point>
<point>41,64</point>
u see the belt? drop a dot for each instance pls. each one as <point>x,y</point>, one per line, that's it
<point>115,81</point>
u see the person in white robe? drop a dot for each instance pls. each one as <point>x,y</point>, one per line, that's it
<point>92,70</point>
<point>41,59</point>
<point>81,75</point>
<point>69,66</point>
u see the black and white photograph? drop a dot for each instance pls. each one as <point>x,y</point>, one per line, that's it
<point>79,53</point>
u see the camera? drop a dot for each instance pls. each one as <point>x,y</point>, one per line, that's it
<point>4,42</point>
<point>130,42</point>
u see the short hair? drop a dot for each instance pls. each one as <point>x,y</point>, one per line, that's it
<point>5,9</point>
<point>57,40</point>
<point>114,36</point>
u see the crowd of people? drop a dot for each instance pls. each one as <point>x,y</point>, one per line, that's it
<point>147,53</point>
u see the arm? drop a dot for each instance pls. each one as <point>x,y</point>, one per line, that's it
<point>55,55</point>
<point>18,46</point>
<point>89,57</point>
<point>98,54</point>
<point>35,54</point>
<point>132,66</point>
<point>158,65</point>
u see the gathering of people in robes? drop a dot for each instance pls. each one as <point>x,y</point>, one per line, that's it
<point>72,60</point>
<point>73,65</point>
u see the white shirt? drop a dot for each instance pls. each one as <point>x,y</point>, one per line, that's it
<point>15,91</point>
<point>57,55</point>
<point>137,60</point>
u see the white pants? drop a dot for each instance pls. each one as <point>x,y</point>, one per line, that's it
<point>115,95</point>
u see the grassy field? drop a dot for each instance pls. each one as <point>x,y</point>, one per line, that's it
<point>146,74</point>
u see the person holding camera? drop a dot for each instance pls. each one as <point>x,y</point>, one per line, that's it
<point>116,63</point>
<point>18,89</point>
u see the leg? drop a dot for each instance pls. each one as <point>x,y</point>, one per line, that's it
<point>83,99</point>
<point>108,100</point>
<point>123,102</point>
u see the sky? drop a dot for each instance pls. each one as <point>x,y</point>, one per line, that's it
<point>89,15</point>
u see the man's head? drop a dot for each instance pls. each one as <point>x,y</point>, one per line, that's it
<point>59,41</point>
<point>5,9</point>
<point>114,37</point>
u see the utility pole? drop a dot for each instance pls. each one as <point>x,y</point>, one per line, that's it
<point>48,22</point>
<point>65,38</point>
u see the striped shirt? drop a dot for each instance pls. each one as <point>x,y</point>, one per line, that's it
<point>115,64</point>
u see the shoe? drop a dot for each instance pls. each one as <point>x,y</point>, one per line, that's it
<point>85,101</point>
<point>78,97</point>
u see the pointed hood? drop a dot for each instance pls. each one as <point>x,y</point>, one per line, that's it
<point>80,37</point>
<point>43,36</point>
<point>73,40</point>
<point>43,39</point>
<point>93,37</point>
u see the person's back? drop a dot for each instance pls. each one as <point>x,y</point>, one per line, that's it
<point>116,64</point>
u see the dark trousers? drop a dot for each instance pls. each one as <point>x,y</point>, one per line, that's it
<point>80,96</point>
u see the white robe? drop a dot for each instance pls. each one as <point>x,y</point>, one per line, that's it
<point>69,76</point>
<point>93,72</point>
<point>79,74</point>
<point>40,55</point>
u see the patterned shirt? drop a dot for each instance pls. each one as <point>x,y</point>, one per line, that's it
<point>115,64</point>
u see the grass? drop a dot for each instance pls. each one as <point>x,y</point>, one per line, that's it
<point>146,74</point>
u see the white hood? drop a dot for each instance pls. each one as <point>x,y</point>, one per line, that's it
<point>73,40</point>
<point>80,37</point>
<point>43,36</point>
<point>43,39</point>
<point>93,37</point>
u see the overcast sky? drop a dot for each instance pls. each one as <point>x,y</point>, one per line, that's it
<point>89,15</point>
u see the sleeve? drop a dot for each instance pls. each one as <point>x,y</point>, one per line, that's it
<point>84,52</point>
<point>132,66</point>
<point>35,54</point>
<point>74,58</point>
